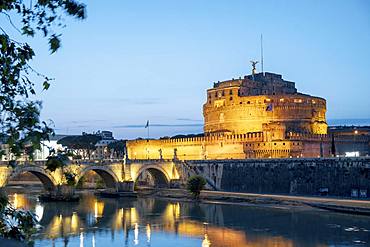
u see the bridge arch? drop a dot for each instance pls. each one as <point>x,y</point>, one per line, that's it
<point>44,176</point>
<point>109,177</point>
<point>160,176</point>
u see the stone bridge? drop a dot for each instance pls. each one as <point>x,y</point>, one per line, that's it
<point>303,176</point>
<point>116,174</point>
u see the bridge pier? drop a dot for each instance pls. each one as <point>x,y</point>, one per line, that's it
<point>175,183</point>
<point>125,186</point>
<point>61,192</point>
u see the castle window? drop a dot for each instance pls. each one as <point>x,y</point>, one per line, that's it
<point>231,92</point>
<point>281,100</point>
<point>284,143</point>
<point>240,102</point>
<point>223,93</point>
<point>275,143</point>
<point>297,100</point>
<point>248,102</point>
<point>231,98</point>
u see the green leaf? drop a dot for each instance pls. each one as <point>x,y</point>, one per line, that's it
<point>46,85</point>
<point>54,43</point>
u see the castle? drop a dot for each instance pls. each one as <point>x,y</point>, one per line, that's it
<point>258,116</point>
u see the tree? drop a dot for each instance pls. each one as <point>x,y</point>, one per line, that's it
<point>15,224</point>
<point>195,184</point>
<point>20,123</point>
<point>19,112</point>
<point>84,142</point>
<point>118,148</point>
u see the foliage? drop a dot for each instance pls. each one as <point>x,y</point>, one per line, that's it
<point>19,112</point>
<point>187,136</point>
<point>81,182</point>
<point>195,184</point>
<point>118,147</point>
<point>87,141</point>
<point>15,223</point>
<point>99,184</point>
<point>20,123</point>
<point>77,157</point>
<point>58,161</point>
<point>71,178</point>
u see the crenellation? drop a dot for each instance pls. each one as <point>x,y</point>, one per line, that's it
<point>262,110</point>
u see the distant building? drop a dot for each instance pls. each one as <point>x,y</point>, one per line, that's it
<point>4,148</point>
<point>48,146</point>
<point>258,116</point>
<point>350,141</point>
<point>101,151</point>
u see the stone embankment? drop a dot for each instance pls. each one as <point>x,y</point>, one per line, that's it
<point>341,177</point>
<point>361,207</point>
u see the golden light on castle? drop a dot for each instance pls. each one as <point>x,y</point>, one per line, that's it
<point>258,116</point>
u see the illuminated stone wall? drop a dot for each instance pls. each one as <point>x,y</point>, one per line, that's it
<point>196,148</point>
<point>231,146</point>
<point>260,116</point>
<point>225,110</point>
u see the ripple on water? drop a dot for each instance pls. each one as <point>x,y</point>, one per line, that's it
<point>334,226</point>
<point>352,229</point>
<point>359,242</point>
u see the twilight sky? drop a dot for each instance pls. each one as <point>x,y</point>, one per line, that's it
<point>130,61</point>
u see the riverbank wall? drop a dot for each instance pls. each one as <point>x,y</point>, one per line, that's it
<point>344,177</point>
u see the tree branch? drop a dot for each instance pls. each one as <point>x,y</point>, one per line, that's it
<point>11,22</point>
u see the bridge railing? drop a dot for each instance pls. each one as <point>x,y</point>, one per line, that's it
<point>82,162</point>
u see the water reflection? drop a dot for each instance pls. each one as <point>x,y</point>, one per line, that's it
<point>149,222</point>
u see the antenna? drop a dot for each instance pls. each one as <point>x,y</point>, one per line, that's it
<point>262,54</point>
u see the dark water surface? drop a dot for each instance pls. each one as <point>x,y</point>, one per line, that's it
<point>152,222</point>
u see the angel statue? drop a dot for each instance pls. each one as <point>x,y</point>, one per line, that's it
<point>254,63</point>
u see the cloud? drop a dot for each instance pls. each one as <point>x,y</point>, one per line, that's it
<point>87,121</point>
<point>189,120</point>
<point>135,101</point>
<point>138,126</point>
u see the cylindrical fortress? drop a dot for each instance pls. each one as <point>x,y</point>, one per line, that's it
<point>259,116</point>
<point>232,107</point>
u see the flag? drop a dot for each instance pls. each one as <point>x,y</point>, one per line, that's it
<point>147,124</point>
<point>269,107</point>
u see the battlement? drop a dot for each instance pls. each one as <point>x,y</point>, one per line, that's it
<point>214,137</point>
<point>307,136</point>
<point>260,115</point>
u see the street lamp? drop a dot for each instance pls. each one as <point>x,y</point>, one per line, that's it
<point>354,140</point>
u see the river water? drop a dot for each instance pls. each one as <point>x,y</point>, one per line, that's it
<point>97,222</point>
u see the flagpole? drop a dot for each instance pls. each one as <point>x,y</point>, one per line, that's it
<point>148,130</point>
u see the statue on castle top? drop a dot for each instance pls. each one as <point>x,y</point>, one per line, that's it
<point>254,63</point>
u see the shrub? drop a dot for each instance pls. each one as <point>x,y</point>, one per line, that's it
<point>195,184</point>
